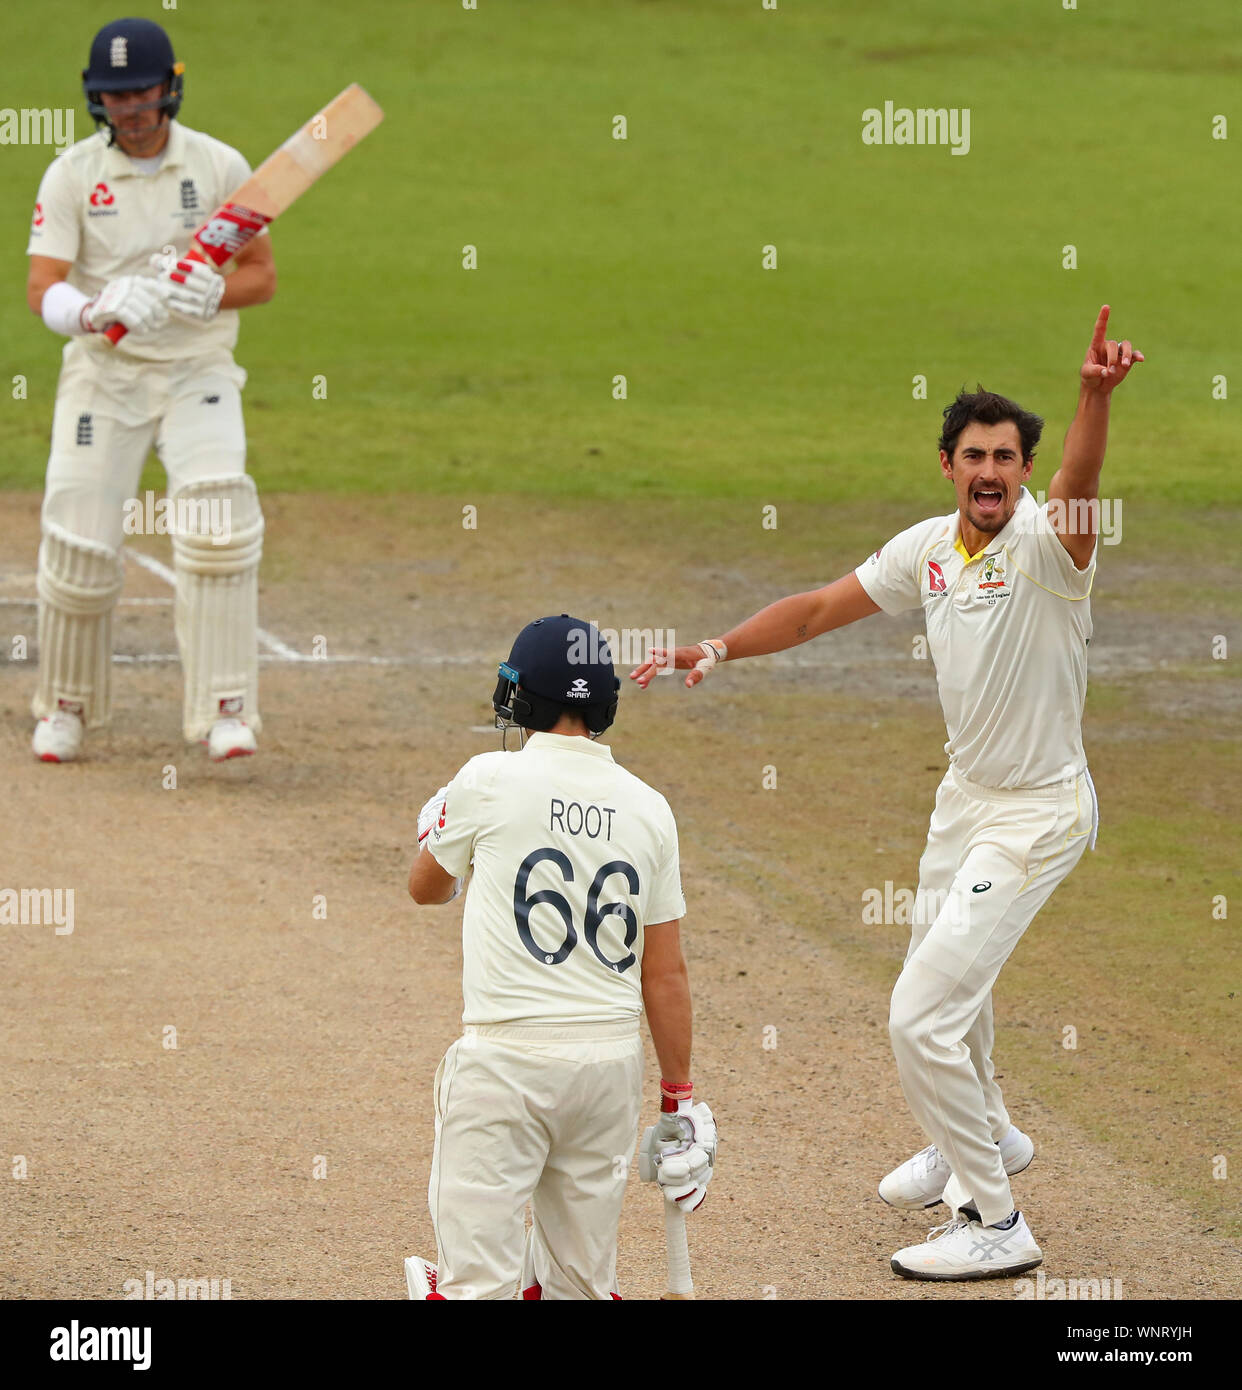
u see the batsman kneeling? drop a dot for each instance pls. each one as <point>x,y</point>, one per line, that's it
<point>571,928</point>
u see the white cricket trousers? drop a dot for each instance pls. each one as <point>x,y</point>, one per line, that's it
<point>540,1114</point>
<point>108,415</point>
<point>992,860</point>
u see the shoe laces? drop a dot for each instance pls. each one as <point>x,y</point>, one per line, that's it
<point>925,1160</point>
<point>947,1229</point>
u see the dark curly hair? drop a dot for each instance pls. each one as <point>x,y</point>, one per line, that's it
<point>987,408</point>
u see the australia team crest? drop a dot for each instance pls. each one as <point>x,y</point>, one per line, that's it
<point>992,584</point>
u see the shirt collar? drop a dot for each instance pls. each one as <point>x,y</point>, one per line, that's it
<point>573,742</point>
<point>1017,522</point>
<point>118,164</point>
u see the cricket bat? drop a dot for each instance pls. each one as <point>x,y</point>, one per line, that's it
<point>677,1248</point>
<point>281,180</point>
<point>680,1285</point>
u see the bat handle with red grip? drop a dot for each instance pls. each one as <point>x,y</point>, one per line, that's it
<point>117,331</point>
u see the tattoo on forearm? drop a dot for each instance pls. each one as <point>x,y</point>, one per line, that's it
<point>801,629</point>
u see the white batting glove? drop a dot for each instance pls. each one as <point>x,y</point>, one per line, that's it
<point>140,304</point>
<point>431,815</point>
<point>196,290</point>
<point>680,1153</point>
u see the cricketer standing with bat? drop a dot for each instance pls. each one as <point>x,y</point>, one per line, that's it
<point>106,208</point>
<point>571,928</point>
<point>1005,588</point>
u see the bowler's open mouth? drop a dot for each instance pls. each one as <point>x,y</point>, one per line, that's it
<point>988,499</point>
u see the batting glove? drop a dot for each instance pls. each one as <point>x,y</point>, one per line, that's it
<point>140,304</point>
<point>196,290</point>
<point>431,816</point>
<point>680,1152</point>
<point>431,813</point>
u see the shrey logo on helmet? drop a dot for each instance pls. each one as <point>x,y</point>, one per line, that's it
<point>131,55</point>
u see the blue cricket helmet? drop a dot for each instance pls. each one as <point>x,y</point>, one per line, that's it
<point>558,665</point>
<point>129,55</point>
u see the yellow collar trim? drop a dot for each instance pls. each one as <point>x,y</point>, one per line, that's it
<point>963,552</point>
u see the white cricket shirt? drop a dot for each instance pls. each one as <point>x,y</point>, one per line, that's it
<point>1008,632</point>
<point>573,856</point>
<point>99,211</point>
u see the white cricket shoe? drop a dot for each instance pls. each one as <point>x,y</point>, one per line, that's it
<point>58,738</point>
<point>920,1181</point>
<point>230,738</point>
<point>965,1248</point>
<point>420,1278</point>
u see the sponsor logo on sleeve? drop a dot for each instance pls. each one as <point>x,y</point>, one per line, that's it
<point>935,579</point>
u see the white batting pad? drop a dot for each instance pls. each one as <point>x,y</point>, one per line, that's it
<point>217,542</point>
<point>78,583</point>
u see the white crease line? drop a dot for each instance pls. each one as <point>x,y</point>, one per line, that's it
<point>280,651</point>
<point>275,659</point>
<point>121,602</point>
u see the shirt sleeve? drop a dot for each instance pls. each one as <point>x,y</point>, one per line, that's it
<point>55,229</point>
<point>666,902</point>
<point>452,840</point>
<point>891,577</point>
<point>1038,553</point>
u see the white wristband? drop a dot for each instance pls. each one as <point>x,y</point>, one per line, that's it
<point>62,309</point>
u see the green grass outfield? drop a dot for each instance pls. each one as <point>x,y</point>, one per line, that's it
<point>643,257</point>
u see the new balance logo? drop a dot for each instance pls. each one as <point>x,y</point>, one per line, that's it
<point>85,432</point>
<point>211,400</point>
